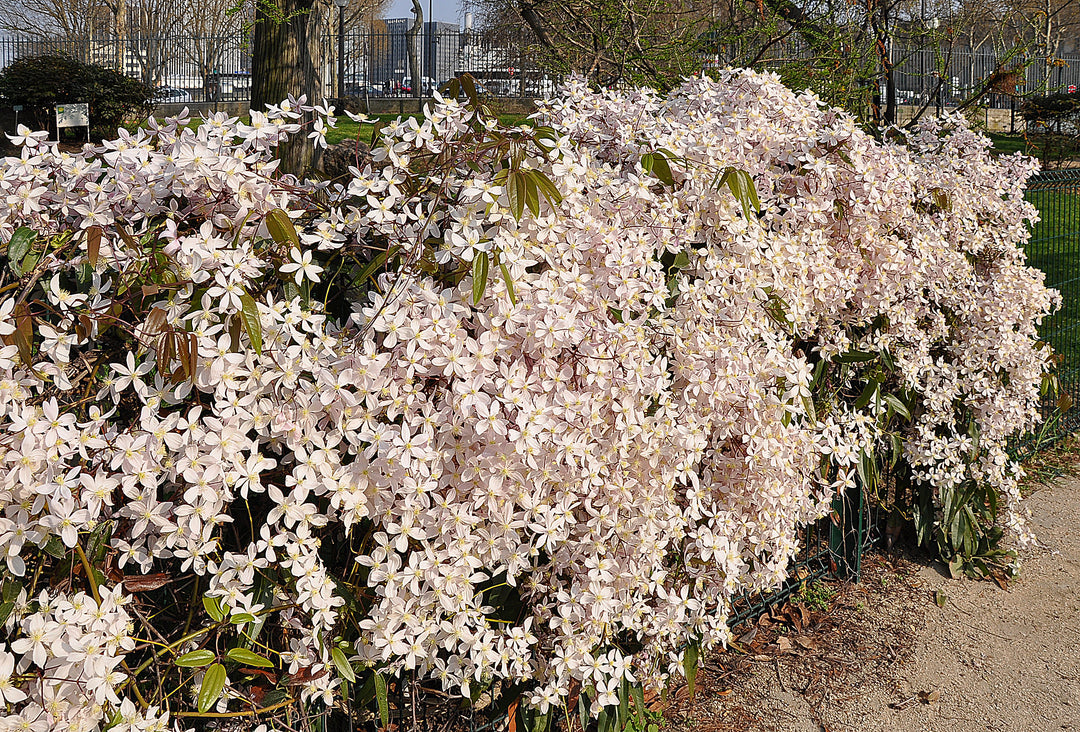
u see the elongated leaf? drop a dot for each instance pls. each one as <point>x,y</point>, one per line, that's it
<point>24,333</point>
<point>128,238</point>
<point>532,196</point>
<point>93,245</point>
<point>373,266</point>
<point>624,704</point>
<point>855,357</point>
<point>155,321</point>
<point>380,699</point>
<point>194,659</point>
<point>867,394</point>
<point>515,190</point>
<point>583,709</point>
<point>212,686</point>
<point>469,87</point>
<point>898,406</point>
<point>249,658</point>
<point>480,276</point>
<point>509,283</point>
<point>18,247</point>
<point>342,663</point>
<point>742,187</point>
<point>281,228</point>
<point>213,608</point>
<point>550,191</point>
<point>690,659</point>
<point>638,692</point>
<point>249,314</point>
<point>604,721</point>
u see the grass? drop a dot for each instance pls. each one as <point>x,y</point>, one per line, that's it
<point>348,130</point>
<point>1008,144</point>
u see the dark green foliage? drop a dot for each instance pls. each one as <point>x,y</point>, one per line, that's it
<point>1053,133</point>
<point>1052,109</point>
<point>38,83</point>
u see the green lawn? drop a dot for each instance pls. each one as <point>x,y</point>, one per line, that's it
<point>1008,144</point>
<point>1055,249</point>
<point>348,130</point>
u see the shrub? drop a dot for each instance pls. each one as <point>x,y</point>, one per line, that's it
<point>1053,129</point>
<point>516,407</point>
<point>39,83</point>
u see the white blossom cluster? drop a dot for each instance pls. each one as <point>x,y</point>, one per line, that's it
<point>564,483</point>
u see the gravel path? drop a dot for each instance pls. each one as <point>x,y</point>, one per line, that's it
<point>886,657</point>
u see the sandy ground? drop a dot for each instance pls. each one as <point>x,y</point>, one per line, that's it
<point>884,655</point>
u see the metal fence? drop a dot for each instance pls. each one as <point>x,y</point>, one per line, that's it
<point>1054,248</point>
<point>375,63</point>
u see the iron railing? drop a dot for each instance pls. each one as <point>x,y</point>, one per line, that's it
<point>376,63</point>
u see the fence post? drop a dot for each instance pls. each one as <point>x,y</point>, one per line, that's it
<point>847,533</point>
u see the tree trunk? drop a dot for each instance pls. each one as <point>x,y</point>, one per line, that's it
<point>284,61</point>
<point>410,39</point>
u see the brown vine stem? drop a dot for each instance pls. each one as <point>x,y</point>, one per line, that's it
<point>227,715</point>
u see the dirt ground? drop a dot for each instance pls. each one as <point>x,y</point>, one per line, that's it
<point>882,655</point>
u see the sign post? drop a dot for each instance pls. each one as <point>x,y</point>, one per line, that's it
<point>73,115</point>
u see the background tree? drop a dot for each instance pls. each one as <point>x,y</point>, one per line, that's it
<point>285,60</point>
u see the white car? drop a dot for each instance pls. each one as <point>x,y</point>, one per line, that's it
<point>171,95</point>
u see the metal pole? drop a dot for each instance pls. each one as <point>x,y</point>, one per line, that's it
<point>430,45</point>
<point>341,52</point>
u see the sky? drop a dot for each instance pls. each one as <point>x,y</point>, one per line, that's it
<point>447,11</point>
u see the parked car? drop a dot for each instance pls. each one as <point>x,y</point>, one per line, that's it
<point>363,90</point>
<point>171,95</point>
<point>429,85</point>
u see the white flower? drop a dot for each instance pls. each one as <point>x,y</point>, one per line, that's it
<point>302,266</point>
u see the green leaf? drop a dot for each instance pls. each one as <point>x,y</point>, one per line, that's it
<point>898,406</point>
<point>480,276</point>
<point>376,263</point>
<point>249,658</point>
<point>509,283</point>
<point>515,189</point>
<point>18,246</point>
<point>682,261</point>
<point>194,659</point>
<point>583,709</point>
<point>604,722</point>
<point>742,187</point>
<point>213,608</point>
<point>867,394</point>
<point>249,315</point>
<point>638,692</point>
<point>662,170</point>
<point>212,686</point>
<point>281,228</point>
<point>648,160</point>
<point>380,698</point>
<point>690,659</point>
<point>550,191</point>
<point>864,468</point>
<point>469,86</point>
<point>624,703</point>
<point>855,357</point>
<point>532,197</point>
<point>343,666</point>
<point>55,548</point>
